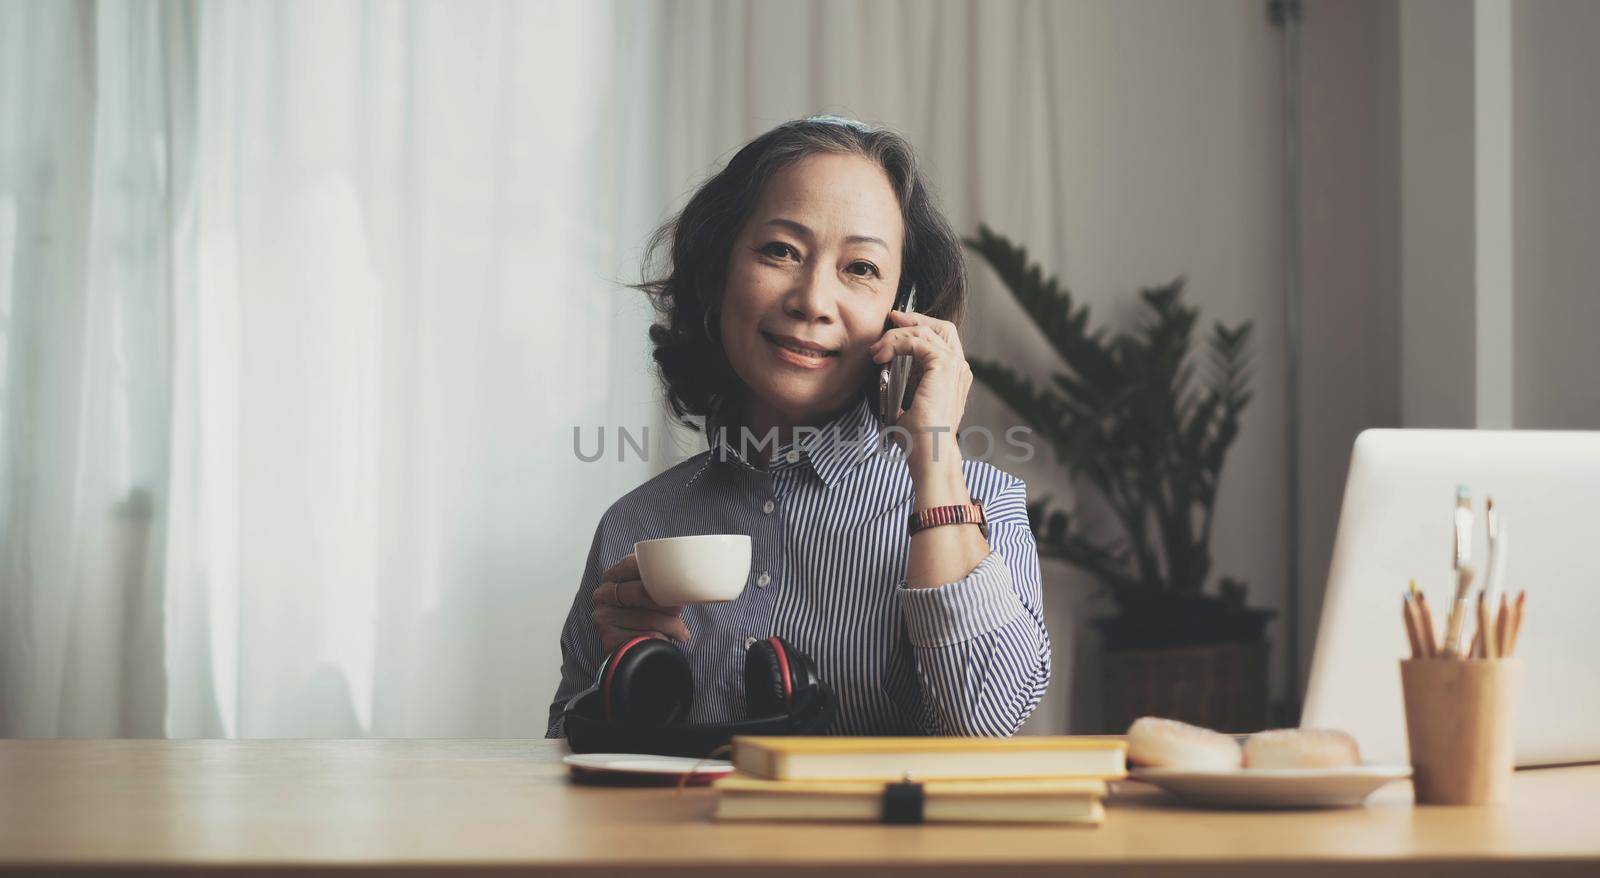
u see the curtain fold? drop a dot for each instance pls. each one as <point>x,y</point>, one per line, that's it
<point>96,169</point>
<point>303,304</point>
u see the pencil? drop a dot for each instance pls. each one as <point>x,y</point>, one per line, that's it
<point>1483,641</point>
<point>1495,632</point>
<point>1408,615</point>
<point>1429,641</point>
<point>1516,623</point>
<point>1425,630</point>
<point>1502,626</point>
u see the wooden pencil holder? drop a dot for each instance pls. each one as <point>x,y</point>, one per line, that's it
<point>1461,726</point>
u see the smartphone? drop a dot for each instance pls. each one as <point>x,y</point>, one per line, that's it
<point>893,376</point>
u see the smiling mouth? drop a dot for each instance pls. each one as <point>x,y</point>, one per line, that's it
<point>802,350</point>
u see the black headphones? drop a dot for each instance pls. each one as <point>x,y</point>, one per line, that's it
<point>644,689</point>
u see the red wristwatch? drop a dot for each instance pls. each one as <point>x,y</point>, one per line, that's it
<point>961,513</point>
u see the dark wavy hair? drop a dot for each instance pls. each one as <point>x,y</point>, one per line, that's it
<point>687,287</point>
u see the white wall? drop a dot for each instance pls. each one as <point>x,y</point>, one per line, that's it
<point>1350,232</point>
<point>1407,191</point>
<point>1556,140</point>
<point>1169,156</point>
<point>1437,210</point>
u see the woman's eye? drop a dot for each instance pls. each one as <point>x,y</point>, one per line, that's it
<point>871,270</point>
<point>777,250</point>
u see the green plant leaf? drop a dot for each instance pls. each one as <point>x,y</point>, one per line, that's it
<point>1138,415</point>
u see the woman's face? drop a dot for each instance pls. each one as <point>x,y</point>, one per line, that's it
<point>810,281</point>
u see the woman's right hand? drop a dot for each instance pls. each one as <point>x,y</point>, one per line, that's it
<point>623,610</point>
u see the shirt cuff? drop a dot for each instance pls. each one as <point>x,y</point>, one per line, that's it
<point>982,603</point>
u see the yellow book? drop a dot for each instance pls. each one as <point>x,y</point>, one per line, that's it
<point>932,758</point>
<point>1039,800</point>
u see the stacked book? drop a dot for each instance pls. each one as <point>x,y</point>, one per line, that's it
<point>917,780</point>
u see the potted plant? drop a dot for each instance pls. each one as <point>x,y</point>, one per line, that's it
<point>1145,422</point>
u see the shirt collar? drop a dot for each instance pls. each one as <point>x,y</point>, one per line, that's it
<point>832,450</point>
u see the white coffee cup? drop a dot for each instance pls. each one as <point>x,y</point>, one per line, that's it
<point>701,569</point>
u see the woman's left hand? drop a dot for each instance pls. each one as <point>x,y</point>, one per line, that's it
<point>942,379</point>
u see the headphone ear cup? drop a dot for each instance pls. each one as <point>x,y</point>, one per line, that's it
<point>802,672</point>
<point>768,686</point>
<point>646,680</point>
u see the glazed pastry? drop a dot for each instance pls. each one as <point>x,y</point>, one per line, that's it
<point>1301,748</point>
<point>1167,743</point>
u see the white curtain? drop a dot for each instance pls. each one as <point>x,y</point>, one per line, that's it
<point>301,302</point>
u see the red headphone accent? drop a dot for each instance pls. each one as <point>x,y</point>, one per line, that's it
<point>783,665</point>
<point>611,670</point>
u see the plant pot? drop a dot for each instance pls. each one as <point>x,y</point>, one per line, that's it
<point>1221,686</point>
<point>1195,621</point>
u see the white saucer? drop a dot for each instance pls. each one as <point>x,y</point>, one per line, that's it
<point>1274,787</point>
<point>641,766</point>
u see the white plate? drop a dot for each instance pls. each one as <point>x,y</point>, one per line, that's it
<point>653,766</point>
<point>1274,787</point>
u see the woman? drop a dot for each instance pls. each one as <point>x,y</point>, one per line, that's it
<point>783,271</point>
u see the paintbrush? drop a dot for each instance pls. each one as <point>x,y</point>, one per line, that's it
<point>1455,622</point>
<point>1495,575</point>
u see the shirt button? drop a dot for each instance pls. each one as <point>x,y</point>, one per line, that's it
<point>793,456</point>
<point>763,580</point>
<point>749,642</point>
<point>767,507</point>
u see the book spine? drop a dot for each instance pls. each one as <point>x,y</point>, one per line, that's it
<point>758,761</point>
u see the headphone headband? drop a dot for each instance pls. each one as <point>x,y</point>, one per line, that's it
<point>594,721</point>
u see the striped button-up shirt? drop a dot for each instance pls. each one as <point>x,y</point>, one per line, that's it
<point>827,522</point>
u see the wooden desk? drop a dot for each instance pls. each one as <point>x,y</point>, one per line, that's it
<point>453,807</point>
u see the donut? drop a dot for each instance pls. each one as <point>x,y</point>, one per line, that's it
<point>1167,743</point>
<point>1301,748</point>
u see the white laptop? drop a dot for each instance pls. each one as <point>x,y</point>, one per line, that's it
<point>1397,523</point>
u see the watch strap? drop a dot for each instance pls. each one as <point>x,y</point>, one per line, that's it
<point>960,513</point>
